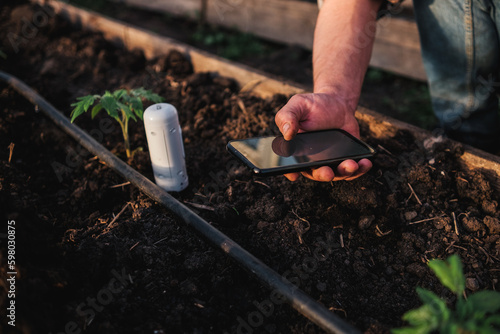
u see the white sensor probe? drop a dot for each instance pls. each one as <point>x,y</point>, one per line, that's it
<point>166,148</point>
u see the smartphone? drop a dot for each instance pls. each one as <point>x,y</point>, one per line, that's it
<point>273,155</point>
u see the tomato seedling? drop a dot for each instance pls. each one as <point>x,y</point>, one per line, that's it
<point>122,105</point>
<point>479,313</point>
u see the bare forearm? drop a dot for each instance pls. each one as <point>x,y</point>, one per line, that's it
<point>342,48</point>
<point>343,42</point>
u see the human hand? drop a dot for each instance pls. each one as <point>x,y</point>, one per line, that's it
<point>320,111</point>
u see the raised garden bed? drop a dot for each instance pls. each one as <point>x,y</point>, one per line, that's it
<point>396,48</point>
<point>357,247</point>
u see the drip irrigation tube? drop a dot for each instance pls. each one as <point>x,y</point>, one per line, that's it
<point>302,302</point>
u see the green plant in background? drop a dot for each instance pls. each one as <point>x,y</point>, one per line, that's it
<point>479,313</point>
<point>2,54</point>
<point>122,105</point>
<point>375,75</point>
<point>232,45</point>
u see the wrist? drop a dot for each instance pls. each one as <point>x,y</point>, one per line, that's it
<point>348,98</point>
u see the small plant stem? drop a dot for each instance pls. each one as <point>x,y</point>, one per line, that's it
<point>126,138</point>
<point>124,126</point>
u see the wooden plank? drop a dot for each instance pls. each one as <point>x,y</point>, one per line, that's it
<point>261,85</point>
<point>398,31</point>
<point>486,163</point>
<point>397,48</point>
<point>189,8</point>
<point>284,21</point>
<point>399,60</point>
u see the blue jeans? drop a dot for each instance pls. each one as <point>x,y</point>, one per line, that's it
<point>461,51</point>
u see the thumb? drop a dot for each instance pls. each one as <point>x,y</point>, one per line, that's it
<point>289,117</point>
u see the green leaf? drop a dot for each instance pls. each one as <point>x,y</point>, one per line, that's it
<point>450,328</point>
<point>87,101</point>
<point>82,105</point>
<point>470,315</point>
<point>141,93</point>
<point>109,104</point>
<point>119,93</point>
<point>422,316</point>
<point>146,94</point>
<point>485,301</point>
<point>463,308</point>
<point>138,92</point>
<point>137,106</point>
<point>492,320</point>
<point>96,109</point>
<point>156,98</point>
<point>76,112</point>
<point>450,273</point>
<point>437,306</point>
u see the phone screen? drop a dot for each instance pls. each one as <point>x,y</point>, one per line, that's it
<point>305,148</point>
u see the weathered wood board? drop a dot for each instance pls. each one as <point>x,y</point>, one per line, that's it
<point>291,21</point>
<point>189,8</point>
<point>397,48</point>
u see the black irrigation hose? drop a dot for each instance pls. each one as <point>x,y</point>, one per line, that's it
<point>303,303</point>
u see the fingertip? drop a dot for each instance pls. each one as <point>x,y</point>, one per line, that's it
<point>364,166</point>
<point>347,168</point>
<point>292,176</point>
<point>287,118</point>
<point>322,174</point>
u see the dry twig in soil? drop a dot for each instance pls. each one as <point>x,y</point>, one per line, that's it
<point>455,222</point>
<point>200,206</point>
<point>413,194</point>
<point>423,220</point>
<point>11,150</point>
<point>116,217</point>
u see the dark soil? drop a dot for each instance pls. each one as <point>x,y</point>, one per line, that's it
<point>96,254</point>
